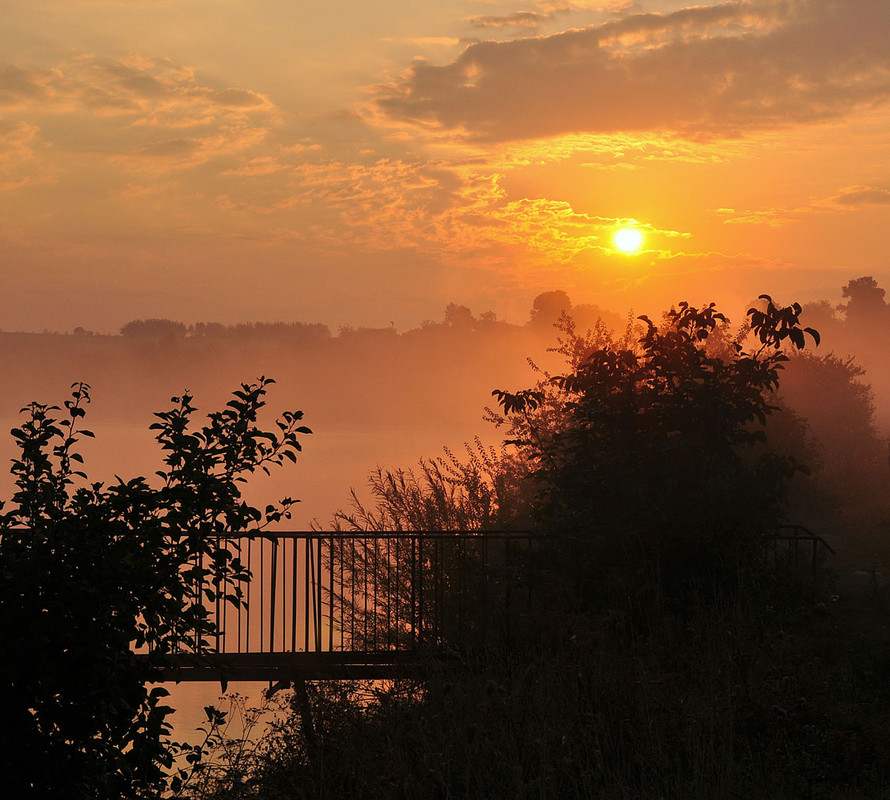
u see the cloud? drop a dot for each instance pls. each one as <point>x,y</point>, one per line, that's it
<point>258,166</point>
<point>147,114</point>
<point>22,86</point>
<point>546,11</point>
<point>704,71</point>
<point>458,211</point>
<point>864,196</point>
<point>175,148</point>
<point>150,91</point>
<point>428,41</point>
<point>849,199</point>
<point>18,163</point>
<point>519,19</point>
<point>129,4</point>
<point>237,98</point>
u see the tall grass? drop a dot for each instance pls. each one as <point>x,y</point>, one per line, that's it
<point>757,695</point>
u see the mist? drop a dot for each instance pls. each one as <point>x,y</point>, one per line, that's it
<point>372,397</point>
<point>387,398</point>
<point>379,397</point>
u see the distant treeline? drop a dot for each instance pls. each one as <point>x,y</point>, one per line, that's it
<point>545,311</point>
<point>855,326</point>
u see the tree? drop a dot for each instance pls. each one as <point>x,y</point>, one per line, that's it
<point>650,452</point>
<point>547,308</point>
<point>865,306</point>
<point>838,405</point>
<point>90,574</point>
<point>460,317</point>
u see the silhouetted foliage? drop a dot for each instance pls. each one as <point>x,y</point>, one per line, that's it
<point>865,304</point>
<point>461,317</point>
<point>548,307</point>
<point>89,574</point>
<point>482,492</point>
<point>164,331</point>
<point>295,332</point>
<point>754,693</point>
<point>648,451</point>
<point>847,455</point>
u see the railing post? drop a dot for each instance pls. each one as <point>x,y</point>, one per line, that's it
<point>273,593</point>
<point>294,573</point>
<point>319,598</point>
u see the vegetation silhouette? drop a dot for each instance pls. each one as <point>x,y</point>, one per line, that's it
<point>667,657</point>
<point>651,452</point>
<point>91,574</point>
<point>745,692</point>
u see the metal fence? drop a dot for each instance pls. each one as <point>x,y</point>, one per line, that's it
<point>321,592</point>
<point>798,555</point>
<point>383,592</point>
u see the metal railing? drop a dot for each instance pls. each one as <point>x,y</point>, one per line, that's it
<point>799,553</point>
<point>357,603</point>
<point>383,592</point>
<point>330,592</point>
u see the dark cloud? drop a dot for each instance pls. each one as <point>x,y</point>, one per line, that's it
<point>175,148</point>
<point>521,19</point>
<point>864,196</point>
<point>146,86</point>
<point>702,71</point>
<point>239,98</point>
<point>20,84</point>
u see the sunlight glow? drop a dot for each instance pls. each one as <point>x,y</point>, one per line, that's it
<point>628,240</point>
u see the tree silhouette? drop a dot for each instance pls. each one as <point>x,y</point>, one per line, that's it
<point>154,330</point>
<point>457,316</point>
<point>865,306</point>
<point>548,307</point>
<point>649,452</point>
<point>93,573</point>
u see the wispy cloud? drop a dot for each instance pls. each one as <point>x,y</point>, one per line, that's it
<point>18,164</point>
<point>151,91</point>
<point>703,71</point>
<point>863,196</point>
<point>139,112</point>
<point>518,19</point>
<point>848,199</point>
<point>545,10</point>
<point>439,209</point>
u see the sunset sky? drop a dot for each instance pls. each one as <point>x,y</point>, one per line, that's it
<point>356,162</point>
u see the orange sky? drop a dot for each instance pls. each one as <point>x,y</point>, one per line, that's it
<point>360,163</point>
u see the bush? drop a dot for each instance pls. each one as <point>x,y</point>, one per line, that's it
<point>93,574</point>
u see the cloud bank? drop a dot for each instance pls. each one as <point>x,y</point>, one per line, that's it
<point>703,71</point>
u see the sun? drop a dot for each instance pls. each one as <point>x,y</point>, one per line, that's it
<point>628,240</point>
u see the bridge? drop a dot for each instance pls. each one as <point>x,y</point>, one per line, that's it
<point>360,605</point>
<point>370,604</point>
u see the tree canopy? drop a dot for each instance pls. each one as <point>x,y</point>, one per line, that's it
<point>648,447</point>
